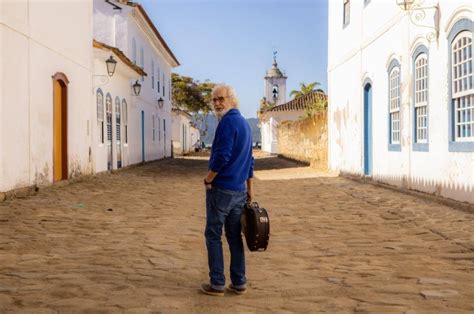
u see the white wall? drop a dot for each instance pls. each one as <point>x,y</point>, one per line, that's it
<point>39,40</point>
<point>362,50</point>
<point>118,29</point>
<point>269,122</point>
<point>180,121</point>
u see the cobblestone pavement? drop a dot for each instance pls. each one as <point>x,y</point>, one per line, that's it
<point>132,241</point>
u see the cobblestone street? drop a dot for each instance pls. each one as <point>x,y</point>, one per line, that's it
<point>132,241</point>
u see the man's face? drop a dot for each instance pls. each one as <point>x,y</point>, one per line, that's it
<point>221,102</point>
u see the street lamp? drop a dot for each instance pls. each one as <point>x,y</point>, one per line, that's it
<point>405,5</point>
<point>417,15</point>
<point>137,88</point>
<point>160,102</point>
<point>111,64</point>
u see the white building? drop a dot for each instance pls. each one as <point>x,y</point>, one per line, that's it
<point>274,95</point>
<point>401,96</point>
<point>45,91</point>
<point>61,115</point>
<point>184,133</point>
<point>130,129</point>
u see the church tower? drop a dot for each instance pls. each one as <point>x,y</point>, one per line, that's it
<point>275,85</point>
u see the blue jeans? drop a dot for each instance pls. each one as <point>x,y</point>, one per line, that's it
<point>224,207</point>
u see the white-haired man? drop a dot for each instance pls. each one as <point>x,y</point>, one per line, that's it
<point>228,186</point>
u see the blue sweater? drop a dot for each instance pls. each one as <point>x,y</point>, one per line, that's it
<point>231,154</point>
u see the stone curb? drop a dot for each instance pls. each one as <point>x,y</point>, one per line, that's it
<point>34,189</point>
<point>458,205</point>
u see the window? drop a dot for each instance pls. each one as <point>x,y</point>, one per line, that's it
<point>153,126</point>
<point>159,129</point>
<point>153,74</point>
<point>134,50</point>
<point>108,107</point>
<point>461,87</point>
<point>100,114</point>
<point>394,106</point>
<point>347,13</point>
<point>118,125</point>
<point>158,82</point>
<point>420,98</point>
<point>142,62</point>
<point>163,84</point>
<point>125,119</point>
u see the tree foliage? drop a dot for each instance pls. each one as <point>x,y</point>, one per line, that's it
<point>191,95</point>
<point>317,105</point>
<point>305,89</point>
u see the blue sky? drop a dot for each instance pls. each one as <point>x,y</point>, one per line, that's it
<point>231,41</point>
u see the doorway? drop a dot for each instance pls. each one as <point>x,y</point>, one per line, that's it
<point>60,127</point>
<point>368,129</point>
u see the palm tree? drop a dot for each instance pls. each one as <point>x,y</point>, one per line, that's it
<point>305,89</point>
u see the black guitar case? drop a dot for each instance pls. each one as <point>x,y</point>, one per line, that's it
<point>256,227</point>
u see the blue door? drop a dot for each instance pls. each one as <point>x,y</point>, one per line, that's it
<point>368,129</point>
<point>143,136</point>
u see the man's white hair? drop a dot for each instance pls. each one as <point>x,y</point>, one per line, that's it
<point>229,91</point>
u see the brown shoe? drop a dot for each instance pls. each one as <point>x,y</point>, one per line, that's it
<point>238,291</point>
<point>208,289</point>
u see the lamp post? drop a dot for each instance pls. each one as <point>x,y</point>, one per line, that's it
<point>160,102</point>
<point>111,64</point>
<point>405,4</point>
<point>418,13</point>
<point>137,88</point>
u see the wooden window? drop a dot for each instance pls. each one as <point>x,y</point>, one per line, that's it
<point>100,114</point>
<point>125,120</point>
<point>421,98</point>
<point>462,87</point>
<point>394,100</point>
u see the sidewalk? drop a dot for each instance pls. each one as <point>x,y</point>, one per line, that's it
<point>133,242</point>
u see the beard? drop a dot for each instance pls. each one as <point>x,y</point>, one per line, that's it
<point>220,114</point>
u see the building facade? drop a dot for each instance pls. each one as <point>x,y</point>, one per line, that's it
<point>401,94</point>
<point>131,128</point>
<point>61,114</point>
<point>274,87</point>
<point>45,92</point>
<point>184,133</point>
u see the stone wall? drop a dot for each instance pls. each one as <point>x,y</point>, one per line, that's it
<point>305,140</point>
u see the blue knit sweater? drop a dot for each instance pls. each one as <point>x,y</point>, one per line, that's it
<point>231,154</point>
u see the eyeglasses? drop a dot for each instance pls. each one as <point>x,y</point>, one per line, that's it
<point>219,99</point>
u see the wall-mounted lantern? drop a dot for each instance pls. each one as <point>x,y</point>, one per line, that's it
<point>111,64</point>
<point>418,14</point>
<point>160,102</point>
<point>137,87</point>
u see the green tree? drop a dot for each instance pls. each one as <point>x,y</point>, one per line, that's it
<point>305,89</point>
<point>193,96</point>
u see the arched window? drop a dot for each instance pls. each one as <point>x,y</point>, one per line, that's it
<point>420,100</point>
<point>100,114</point>
<point>125,120</point>
<point>394,100</point>
<point>108,109</point>
<point>158,83</point>
<point>134,50</point>
<point>118,124</point>
<point>394,105</point>
<point>462,89</point>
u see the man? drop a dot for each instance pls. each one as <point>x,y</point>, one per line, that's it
<point>228,186</point>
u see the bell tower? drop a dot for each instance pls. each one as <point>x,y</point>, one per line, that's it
<point>275,84</point>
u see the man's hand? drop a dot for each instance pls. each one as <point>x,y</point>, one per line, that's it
<point>249,190</point>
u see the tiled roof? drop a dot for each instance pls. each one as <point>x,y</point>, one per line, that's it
<point>299,103</point>
<point>119,53</point>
